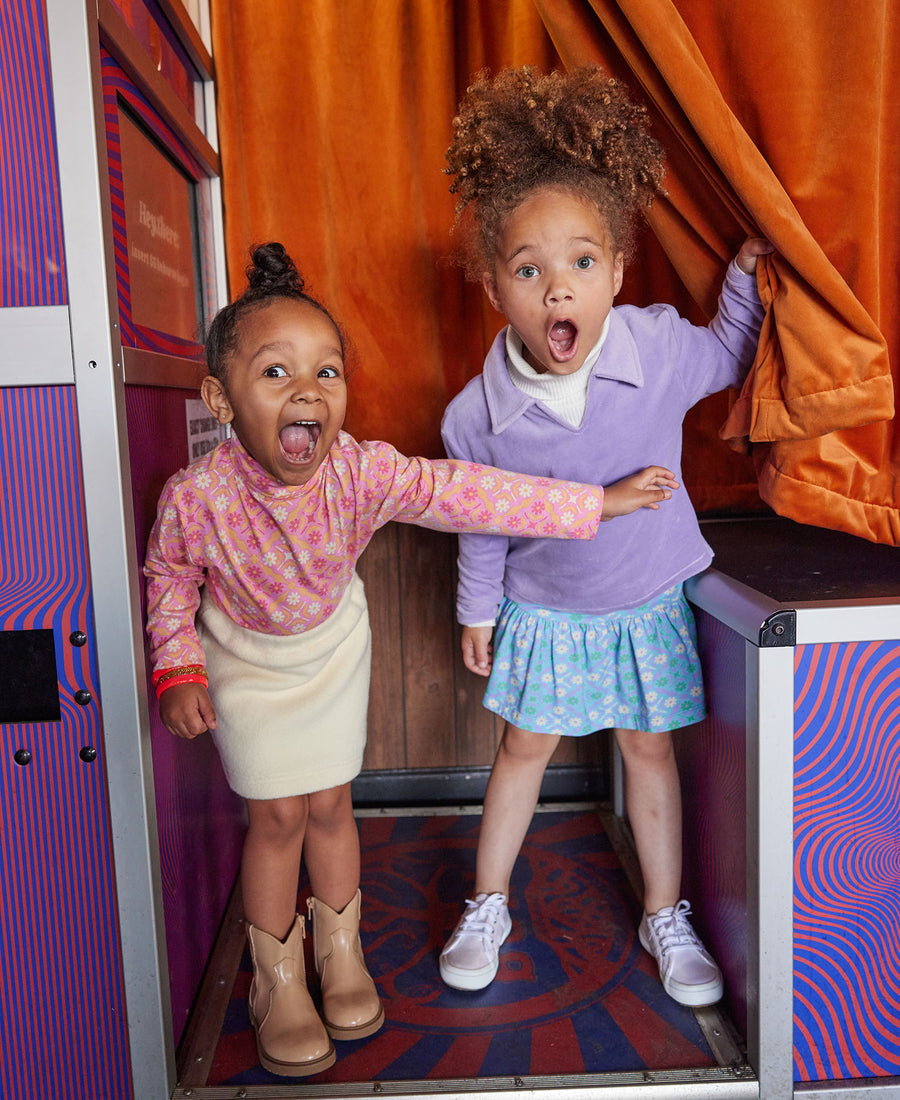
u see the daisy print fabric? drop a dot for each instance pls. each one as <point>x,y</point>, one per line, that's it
<point>277,558</point>
<point>571,674</point>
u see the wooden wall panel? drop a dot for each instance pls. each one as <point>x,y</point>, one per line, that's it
<point>425,707</point>
<point>477,730</point>
<point>426,600</point>
<point>378,567</point>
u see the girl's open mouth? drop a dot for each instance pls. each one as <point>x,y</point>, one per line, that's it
<point>298,440</point>
<point>563,340</point>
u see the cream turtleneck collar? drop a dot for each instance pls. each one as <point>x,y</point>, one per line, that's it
<point>563,394</point>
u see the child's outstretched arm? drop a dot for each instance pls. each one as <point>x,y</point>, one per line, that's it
<point>186,710</point>
<point>751,250</point>
<point>645,489</point>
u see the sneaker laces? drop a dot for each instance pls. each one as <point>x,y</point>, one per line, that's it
<point>673,929</point>
<point>482,918</point>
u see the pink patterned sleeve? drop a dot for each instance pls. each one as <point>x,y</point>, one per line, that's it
<point>489,501</point>
<point>447,494</point>
<point>173,591</point>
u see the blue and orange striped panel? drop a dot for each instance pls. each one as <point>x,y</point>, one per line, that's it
<point>32,265</point>
<point>62,1012</point>
<point>847,861</point>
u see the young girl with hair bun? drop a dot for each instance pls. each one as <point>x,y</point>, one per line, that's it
<point>552,171</point>
<point>259,629</point>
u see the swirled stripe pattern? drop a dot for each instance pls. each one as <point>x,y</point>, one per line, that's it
<point>847,861</point>
<point>32,264</point>
<point>60,983</point>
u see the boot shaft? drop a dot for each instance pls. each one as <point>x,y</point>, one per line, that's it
<point>351,1007</point>
<point>275,961</point>
<point>335,934</point>
<point>291,1039</point>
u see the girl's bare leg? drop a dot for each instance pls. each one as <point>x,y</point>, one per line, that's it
<point>509,804</point>
<point>653,800</point>
<point>351,1007</point>
<point>687,971</point>
<point>332,847</point>
<point>270,863</point>
<point>290,1036</point>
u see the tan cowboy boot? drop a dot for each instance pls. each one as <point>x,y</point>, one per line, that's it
<point>351,1007</point>
<point>290,1037</point>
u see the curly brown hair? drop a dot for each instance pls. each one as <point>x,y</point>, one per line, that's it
<point>523,129</point>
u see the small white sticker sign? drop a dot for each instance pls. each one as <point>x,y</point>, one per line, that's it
<point>204,432</point>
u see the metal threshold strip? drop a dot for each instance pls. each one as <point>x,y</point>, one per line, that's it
<point>731,1083</point>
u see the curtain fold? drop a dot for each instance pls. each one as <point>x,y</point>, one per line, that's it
<point>780,122</point>
<point>333,120</point>
<point>778,118</point>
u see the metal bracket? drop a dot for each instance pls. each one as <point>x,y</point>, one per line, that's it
<point>780,629</point>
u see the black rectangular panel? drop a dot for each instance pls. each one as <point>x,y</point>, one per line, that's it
<point>28,686</point>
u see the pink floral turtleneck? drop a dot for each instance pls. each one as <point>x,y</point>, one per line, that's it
<point>277,558</point>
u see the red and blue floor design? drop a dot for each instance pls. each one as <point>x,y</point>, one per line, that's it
<point>575,993</point>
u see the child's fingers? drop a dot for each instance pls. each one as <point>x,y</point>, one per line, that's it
<point>472,663</point>
<point>187,727</point>
<point>751,250</point>
<point>207,713</point>
<point>476,651</point>
<point>481,663</point>
<point>200,718</point>
<point>468,653</point>
<point>660,476</point>
<point>757,246</point>
<point>187,711</point>
<point>654,496</point>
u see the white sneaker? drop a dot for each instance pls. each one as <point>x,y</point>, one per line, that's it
<point>687,970</point>
<point>470,957</point>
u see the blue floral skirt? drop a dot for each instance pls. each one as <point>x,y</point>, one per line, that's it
<point>569,673</point>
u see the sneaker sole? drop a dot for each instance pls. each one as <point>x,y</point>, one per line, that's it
<point>470,980</point>
<point>695,996</point>
<point>691,996</point>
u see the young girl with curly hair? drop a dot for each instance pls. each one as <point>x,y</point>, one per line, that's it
<point>552,171</point>
<point>259,628</point>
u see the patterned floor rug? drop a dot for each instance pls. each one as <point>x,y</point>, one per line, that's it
<point>575,993</point>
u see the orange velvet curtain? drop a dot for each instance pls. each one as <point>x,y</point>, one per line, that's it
<point>777,118</point>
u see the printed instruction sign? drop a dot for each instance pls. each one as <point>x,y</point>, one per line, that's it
<point>204,432</point>
<point>160,222</point>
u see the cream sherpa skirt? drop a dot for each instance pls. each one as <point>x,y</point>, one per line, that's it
<point>291,709</point>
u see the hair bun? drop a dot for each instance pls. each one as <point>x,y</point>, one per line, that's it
<point>271,276</point>
<point>272,269</point>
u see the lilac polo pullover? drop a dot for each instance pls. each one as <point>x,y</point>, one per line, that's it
<point>654,365</point>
